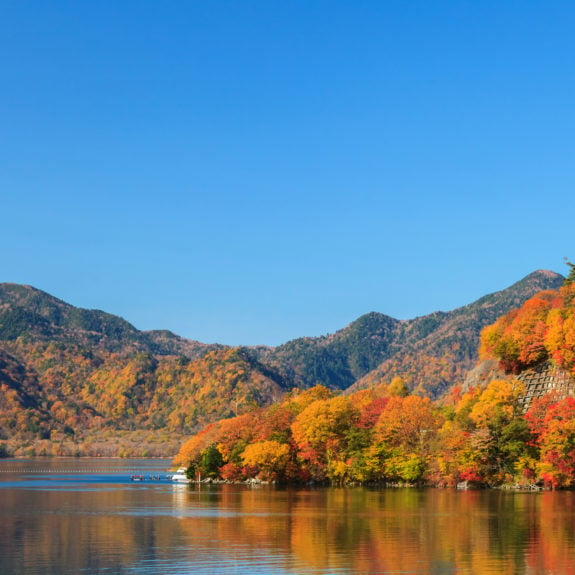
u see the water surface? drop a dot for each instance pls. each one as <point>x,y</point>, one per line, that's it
<point>63,516</point>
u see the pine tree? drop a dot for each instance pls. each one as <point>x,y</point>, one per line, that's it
<point>571,277</point>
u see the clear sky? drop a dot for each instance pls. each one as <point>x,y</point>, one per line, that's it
<point>247,172</point>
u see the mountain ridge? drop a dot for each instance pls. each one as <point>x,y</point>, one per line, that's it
<point>390,343</point>
<point>26,311</point>
<point>76,376</point>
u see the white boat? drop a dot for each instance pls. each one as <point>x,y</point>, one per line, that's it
<point>180,476</point>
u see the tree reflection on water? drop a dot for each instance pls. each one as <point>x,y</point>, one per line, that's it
<point>232,529</point>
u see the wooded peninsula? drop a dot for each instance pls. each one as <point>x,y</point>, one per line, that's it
<point>484,436</point>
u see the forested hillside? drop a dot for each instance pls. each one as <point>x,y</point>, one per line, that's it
<point>487,436</point>
<point>431,353</point>
<point>31,315</point>
<point>67,400</point>
<point>542,329</point>
<point>75,381</point>
<point>384,435</point>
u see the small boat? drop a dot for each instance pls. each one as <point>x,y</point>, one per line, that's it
<point>180,476</point>
<point>137,478</point>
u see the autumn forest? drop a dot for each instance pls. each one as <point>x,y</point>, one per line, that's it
<point>380,401</point>
<point>481,436</point>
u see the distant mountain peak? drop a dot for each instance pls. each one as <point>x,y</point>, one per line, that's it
<point>432,352</point>
<point>544,276</point>
<point>546,273</point>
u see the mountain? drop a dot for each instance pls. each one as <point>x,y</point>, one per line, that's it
<point>431,353</point>
<point>91,383</point>
<point>31,315</point>
<point>335,360</point>
<point>438,350</point>
<point>88,382</point>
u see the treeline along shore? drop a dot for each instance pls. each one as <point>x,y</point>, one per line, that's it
<point>483,436</point>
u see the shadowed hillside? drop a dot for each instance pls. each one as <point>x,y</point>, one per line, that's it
<point>431,352</point>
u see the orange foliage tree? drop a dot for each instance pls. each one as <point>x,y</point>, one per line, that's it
<point>553,426</point>
<point>543,328</point>
<point>320,434</point>
<point>407,428</point>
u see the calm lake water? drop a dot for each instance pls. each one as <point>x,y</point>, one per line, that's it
<point>86,516</point>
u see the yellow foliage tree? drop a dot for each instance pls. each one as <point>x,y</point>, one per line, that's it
<point>498,399</point>
<point>270,458</point>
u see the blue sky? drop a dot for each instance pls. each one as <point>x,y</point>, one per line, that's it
<point>250,172</point>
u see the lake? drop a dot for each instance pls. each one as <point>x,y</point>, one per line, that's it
<point>60,516</point>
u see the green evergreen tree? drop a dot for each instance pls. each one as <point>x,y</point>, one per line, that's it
<point>571,277</point>
<point>211,461</point>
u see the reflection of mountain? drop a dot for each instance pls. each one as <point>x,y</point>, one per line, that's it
<point>64,532</point>
<point>233,529</point>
